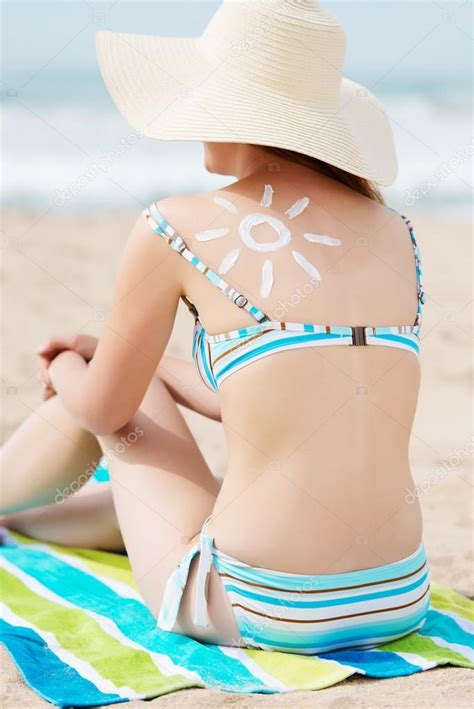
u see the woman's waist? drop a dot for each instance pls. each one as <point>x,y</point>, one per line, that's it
<point>352,482</point>
<point>353,439</point>
<point>277,522</point>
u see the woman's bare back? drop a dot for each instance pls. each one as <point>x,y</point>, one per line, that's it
<point>318,437</point>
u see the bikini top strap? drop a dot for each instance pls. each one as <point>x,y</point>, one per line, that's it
<point>162,227</point>
<point>419,272</point>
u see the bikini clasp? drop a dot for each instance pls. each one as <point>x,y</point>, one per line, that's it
<point>358,335</point>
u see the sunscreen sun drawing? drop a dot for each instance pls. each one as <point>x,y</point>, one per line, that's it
<point>282,238</point>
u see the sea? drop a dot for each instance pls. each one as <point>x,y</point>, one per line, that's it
<point>65,146</point>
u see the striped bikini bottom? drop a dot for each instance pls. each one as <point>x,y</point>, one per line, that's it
<point>307,614</point>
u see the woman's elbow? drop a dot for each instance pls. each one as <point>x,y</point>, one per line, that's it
<point>100,428</point>
<point>105,422</point>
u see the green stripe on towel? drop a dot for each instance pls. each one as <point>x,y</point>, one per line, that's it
<point>77,632</point>
<point>68,626</point>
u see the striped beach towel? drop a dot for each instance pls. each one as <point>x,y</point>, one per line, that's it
<point>80,635</point>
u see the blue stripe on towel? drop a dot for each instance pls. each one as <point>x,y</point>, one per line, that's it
<point>136,622</point>
<point>101,473</point>
<point>374,663</point>
<point>44,672</point>
<point>87,589</point>
<point>441,625</point>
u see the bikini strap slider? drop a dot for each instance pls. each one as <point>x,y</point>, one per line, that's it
<point>358,335</point>
<point>179,245</point>
<point>190,306</point>
<point>240,300</point>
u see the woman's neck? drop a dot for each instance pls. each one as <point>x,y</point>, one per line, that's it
<point>252,160</point>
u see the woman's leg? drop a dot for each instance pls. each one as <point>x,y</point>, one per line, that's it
<point>46,459</point>
<point>87,519</point>
<point>49,458</point>
<point>163,492</point>
<point>43,465</point>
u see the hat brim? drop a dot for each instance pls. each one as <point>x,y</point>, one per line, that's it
<point>166,88</point>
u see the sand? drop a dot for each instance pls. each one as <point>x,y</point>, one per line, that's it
<point>52,283</point>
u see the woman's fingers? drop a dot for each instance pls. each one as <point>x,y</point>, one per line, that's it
<point>57,344</point>
<point>48,392</point>
<point>44,364</point>
<point>43,374</point>
<point>85,345</point>
<point>46,353</point>
<point>45,361</point>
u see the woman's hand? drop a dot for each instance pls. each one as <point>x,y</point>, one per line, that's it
<point>85,345</point>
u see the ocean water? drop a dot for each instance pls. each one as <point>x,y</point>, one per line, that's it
<point>65,146</point>
<point>80,155</point>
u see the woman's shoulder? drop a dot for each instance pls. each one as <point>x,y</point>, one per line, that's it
<point>187,212</point>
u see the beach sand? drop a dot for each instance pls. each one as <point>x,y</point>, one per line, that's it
<point>58,275</point>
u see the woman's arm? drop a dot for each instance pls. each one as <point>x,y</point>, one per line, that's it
<point>180,376</point>
<point>187,388</point>
<point>104,394</point>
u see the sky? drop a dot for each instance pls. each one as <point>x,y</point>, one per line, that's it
<point>390,44</point>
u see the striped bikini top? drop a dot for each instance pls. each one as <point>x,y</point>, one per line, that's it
<point>219,356</point>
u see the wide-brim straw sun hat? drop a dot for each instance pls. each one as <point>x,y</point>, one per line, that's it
<point>265,72</point>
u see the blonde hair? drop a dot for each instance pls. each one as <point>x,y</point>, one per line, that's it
<point>358,184</point>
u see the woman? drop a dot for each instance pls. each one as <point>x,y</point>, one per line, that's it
<point>307,354</point>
